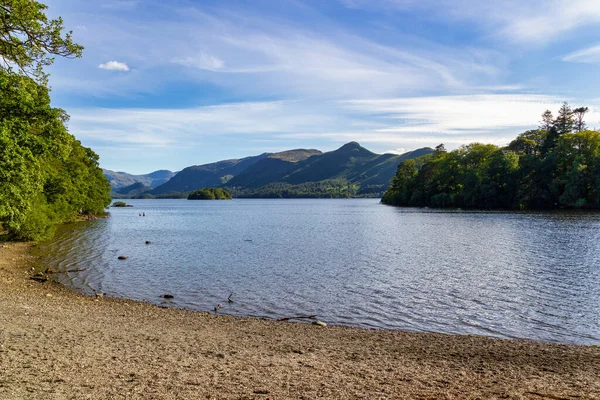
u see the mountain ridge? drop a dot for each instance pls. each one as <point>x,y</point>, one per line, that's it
<point>121,179</point>
<point>348,171</point>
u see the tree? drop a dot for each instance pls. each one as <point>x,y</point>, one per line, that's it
<point>439,149</point>
<point>547,120</point>
<point>28,39</point>
<point>398,192</point>
<point>565,121</point>
<point>46,176</point>
<point>579,114</point>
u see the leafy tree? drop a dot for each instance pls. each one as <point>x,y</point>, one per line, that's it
<point>399,190</point>
<point>539,170</point>
<point>28,39</point>
<point>46,175</point>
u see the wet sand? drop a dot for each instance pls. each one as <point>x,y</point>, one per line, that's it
<point>57,344</point>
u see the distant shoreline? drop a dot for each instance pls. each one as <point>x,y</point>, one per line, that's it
<point>56,342</point>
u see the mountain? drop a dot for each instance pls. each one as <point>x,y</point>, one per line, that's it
<point>120,180</point>
<point>219,173</point>
<point>348,171</point>
<point>351,162</point>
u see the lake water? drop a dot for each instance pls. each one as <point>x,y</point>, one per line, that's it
<point>351,262</point>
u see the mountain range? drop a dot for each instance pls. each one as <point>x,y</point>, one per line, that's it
<point>351,167</point>
<point>119,180</point>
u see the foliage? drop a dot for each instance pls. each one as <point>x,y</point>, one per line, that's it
<point>119,204</point>
<point>540,169</point>
<point>210,194</point>
<point>46,175</point>
<point>28,39</point>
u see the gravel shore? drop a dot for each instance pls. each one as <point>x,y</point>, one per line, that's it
<point>57,344</point>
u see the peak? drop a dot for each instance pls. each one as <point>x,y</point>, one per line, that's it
<point>355,148</point>
<point>352,145</point>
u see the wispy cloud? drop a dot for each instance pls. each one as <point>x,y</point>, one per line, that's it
<point>457,115</point>
<point>302,74</point>
<point>114,66</point>
<point>201,61</point>
<point>590,55</point>
<point>222,46</point>
<point>386,123</point>
<point>532,22</point>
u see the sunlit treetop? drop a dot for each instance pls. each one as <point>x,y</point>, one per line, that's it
<point>29,40</point>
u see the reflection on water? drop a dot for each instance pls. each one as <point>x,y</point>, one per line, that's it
<point>351,262</point>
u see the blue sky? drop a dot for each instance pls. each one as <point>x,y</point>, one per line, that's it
<point>169,84</point>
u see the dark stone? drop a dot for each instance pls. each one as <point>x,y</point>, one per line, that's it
<point>122,257</point>
<point>148,242</point>
<point>167,296</point>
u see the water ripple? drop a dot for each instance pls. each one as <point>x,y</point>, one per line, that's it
<point>351,262</point>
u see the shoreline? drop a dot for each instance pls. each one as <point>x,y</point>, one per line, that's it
<point>57,343</point>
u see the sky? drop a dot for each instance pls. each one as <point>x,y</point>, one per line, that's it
<point>169,84</point>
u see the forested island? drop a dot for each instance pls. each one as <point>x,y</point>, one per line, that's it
<point>46,176</point>
<point>554,166</point>
<point>210,194</point>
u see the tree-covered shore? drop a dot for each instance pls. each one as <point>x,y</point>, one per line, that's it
<point>46,176</point>
<point>554,166</point>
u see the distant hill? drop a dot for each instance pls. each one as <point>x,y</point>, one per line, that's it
<point>207,175</point>
<point>120,180</point>
<point>351,162</point>
<point>136,189</point>
<point>350,171</point>
<point>221,172</point>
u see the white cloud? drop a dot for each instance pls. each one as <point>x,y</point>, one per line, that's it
<point>114,66</point>
<point>388,123</point>
<point>457,115</point>
<point>161,127</point>
<point>590,55</point>
<point>398,151</point>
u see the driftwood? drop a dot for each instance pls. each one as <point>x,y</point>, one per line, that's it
<point>298,317</point>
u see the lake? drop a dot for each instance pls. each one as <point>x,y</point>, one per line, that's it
<point>350,262</point>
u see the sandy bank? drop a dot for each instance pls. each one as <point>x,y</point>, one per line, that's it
<point>56,344</point>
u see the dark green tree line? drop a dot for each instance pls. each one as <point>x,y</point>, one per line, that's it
<point>555,166</point>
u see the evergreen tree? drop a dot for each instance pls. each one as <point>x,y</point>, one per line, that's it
<point>547,120</point>
<point>565,120</point>
<point>579,113</point>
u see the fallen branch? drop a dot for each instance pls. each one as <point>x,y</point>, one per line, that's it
<point>298,317</point>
